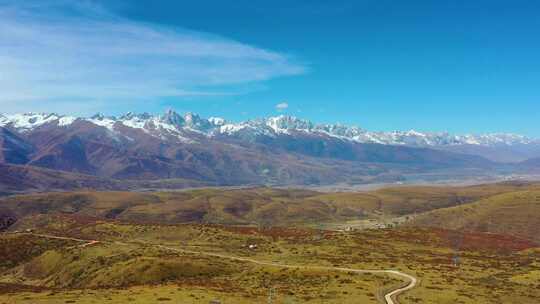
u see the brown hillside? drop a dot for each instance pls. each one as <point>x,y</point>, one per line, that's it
<point>514,213</point>
<point>261,206</point>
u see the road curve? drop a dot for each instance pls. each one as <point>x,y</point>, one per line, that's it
<point>389,298</point>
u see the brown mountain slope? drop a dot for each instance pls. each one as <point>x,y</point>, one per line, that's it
<point>15,178</point>
<point>264,206</point>
<point>515,213</point>
<point>499,153</point>
<point>18,178</point>
<point>530,165</point>
<point>281,159</point>
<point>13,149</point>
<point>399,201</point>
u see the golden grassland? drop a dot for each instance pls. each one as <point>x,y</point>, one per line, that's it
<point>476,244</point>
<point>135,263</point>
<point>515,213</point>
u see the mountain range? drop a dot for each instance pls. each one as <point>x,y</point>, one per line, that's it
<point>274,150</point>
<point>176,124</point>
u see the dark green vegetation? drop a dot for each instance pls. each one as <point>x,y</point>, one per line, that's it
<point>475,244</point>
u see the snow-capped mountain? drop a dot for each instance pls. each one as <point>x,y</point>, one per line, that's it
<point>176,124</point>
<point>281,149</point>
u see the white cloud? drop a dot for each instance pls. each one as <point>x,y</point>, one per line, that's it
<point>282,106</point>
<point>58,51</point>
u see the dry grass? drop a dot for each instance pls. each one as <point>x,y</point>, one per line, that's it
<point>458,265</point>
<point>257,206</point>
<point>514,213</point>
<point>129,265</point>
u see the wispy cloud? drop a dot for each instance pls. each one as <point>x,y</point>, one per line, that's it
<point>57,51</point>
<point>282,106</point>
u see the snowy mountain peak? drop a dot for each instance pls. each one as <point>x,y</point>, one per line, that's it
<point>172,118</point>
<point>217,121</point>
<point>172,122</point>
<point>131,116</point>
<point>195,122</point>
<point>283,124</point>
<point>4,121</point>
<point>98,116</point>
<point>29,121</point>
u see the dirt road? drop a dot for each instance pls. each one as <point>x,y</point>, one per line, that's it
<point>390,297</point>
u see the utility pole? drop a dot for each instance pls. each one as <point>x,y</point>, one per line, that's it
<point>271,295</point>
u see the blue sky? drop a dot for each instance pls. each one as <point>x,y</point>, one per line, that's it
<point>458,66</point>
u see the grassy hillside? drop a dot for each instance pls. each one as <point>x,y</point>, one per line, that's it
<point>416,199</point>
<point>515,213</point>
<point>16,250</point>
<point>143,254</point>
<point>135,263</point>
<point>257,206</point>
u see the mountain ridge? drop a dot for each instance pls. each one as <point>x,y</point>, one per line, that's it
<point>282,124</point>
<point>277,150</point>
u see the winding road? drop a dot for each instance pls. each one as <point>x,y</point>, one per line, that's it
<point>389,298</point>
